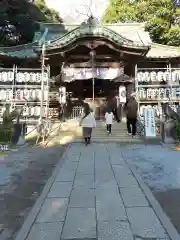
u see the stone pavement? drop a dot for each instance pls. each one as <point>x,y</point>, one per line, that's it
<point>94,195</point>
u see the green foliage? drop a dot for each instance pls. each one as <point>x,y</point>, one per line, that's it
<point>18,20</point>
<point>173,36</point>
<point>178,130</point>
<point>161,17</point>
<point>6,128</point>
<point>5,134</point>
<point>50,15</point>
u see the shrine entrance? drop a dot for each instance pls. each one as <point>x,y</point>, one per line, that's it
<point>100,92</point>
<point>82,90</point>
<point>90,60</point>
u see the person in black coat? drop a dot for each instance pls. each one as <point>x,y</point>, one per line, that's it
<point>131,111</point>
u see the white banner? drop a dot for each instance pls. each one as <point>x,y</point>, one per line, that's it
<point>149,121</point>
<point>72,74</point>
<point>62,95</point>
<point>122,94</point>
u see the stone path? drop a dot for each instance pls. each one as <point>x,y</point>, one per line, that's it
<point>93,196</point>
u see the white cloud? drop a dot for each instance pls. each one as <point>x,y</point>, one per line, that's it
<point>72,7</point>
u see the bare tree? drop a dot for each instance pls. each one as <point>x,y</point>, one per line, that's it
<point>88,12</point>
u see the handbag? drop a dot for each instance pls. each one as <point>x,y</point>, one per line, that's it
<point>80,122</point>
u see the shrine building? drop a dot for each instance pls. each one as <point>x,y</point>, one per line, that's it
<point>91,61</point>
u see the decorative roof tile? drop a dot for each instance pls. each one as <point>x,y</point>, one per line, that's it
<point>99,31</point>
<point>163,51</point>
<point>26,53</point>
<point>20,51</point>
<point>131,35</point>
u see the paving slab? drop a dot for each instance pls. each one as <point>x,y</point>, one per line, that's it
<point>85,168</point>
<point>116,159</point>
<point>109,204</point>
<point>109,187</point>
<point>53,210</point>
<point>110,208</point>
<point>125,180</point>
<point>82,197</point>
<point>66,176</point>
<point>73,158</point>
<point>69,166</point>
<point>114,231</point>
<point>60,190</point>
<point>46,231</point>
<point>121,169</point>
<point>148,225</point>
<point>133,197</point>
<point>80,224</point>
<point>82,180</point>
<point>104,167</point>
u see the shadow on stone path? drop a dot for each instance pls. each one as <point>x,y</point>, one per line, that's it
<point>23,175</point>
<point>159,167</point>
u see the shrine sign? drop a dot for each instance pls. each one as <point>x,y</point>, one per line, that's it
<point>72,74</point>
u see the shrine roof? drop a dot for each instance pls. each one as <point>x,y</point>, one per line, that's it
<point>58,35</point>
<point>163,51</point>
<point>132,31</point>
<point>20,51</point>
<point>70,35</point>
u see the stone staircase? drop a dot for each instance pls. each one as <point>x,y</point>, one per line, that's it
<point>72,132</point>
<point>119,134</point>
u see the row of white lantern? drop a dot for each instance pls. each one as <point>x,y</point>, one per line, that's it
<point>53,112</point>
<point>159,93</point>
<point>159,76</point>
<point>23,94</point>
<point>29,111</point>
<point>21,77</point>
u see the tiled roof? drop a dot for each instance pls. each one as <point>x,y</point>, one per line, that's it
<point>20,51</point>
<point>163,51</point>
<point>133,32</point>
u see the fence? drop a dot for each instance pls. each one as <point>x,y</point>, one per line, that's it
<point>77,112</point>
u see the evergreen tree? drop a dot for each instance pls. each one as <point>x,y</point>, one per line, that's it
<point>161,16</point>
<point>18,20</point>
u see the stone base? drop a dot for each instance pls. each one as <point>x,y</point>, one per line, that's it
<point>169,132</point>
<point>21,141</point>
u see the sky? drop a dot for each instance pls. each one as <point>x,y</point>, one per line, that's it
<point>74,11</point>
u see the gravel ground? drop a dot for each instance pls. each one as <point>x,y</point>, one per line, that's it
<point>160,169</point>
<point>23,175</point>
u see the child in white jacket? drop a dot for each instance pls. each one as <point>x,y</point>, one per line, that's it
<point>109,120</point>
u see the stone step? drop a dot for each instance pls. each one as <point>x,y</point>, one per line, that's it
<point>125,140</point>
<point>109,136</point>
<point>113,132</point>
<point>71,132</point>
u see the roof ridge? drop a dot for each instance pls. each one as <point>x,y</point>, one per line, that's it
<point>165,46</point>
<point>124,24</point>
<point>18,47</point>
<point>54,23</point>
<point>102,24</point>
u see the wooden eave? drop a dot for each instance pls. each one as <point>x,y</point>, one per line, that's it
<point>94,33</point>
